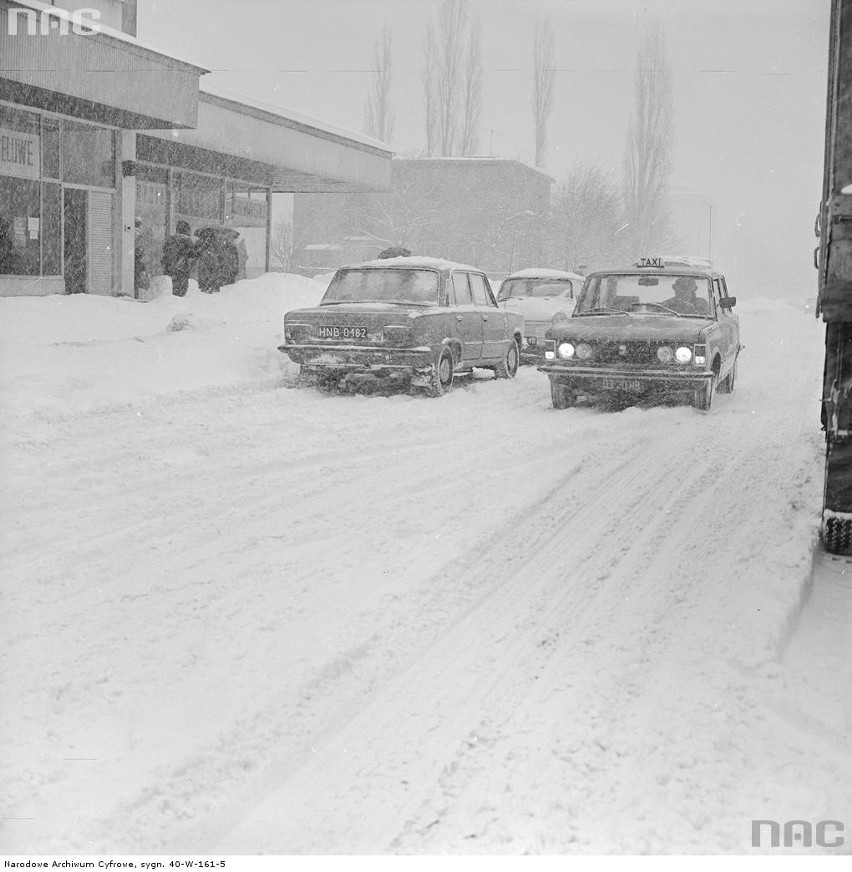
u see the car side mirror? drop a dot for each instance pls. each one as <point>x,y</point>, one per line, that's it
<point>728,302</point>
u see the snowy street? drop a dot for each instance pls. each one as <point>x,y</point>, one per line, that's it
<point>245,617</point>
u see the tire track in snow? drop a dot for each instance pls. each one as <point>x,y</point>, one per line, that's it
<point>333,823</point>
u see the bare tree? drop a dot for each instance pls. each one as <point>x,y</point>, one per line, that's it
<point>650,137</point>
<point>452,18</point>
<point>282,246</point>
<point>587,225</point>
<point>430,88</point>
<point>544,86</point>
<point>378,114</point>
<point>452,81</point>
<point>472,102</point>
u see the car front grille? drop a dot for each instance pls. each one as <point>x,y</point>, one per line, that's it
<point>637,353</point>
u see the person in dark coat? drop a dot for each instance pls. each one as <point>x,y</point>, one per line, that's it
<point>208,261</point>
<point>179,255</point>
<point>394,251</point>
<point>228,256</point>
<point>5,247</point>
<point>242,251</point>
<point>141,279</point>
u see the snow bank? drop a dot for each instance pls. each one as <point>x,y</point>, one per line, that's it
<point>63,354</point>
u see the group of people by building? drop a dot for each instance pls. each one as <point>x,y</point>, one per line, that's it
<point>216,255</point>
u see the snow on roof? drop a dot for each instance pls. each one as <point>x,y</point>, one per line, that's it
<point>109,32</point>
<point>543,273</point>
<point>282,112</point>
<point>414,263</point>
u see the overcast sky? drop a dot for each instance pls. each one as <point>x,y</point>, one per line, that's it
<point>748,81</point>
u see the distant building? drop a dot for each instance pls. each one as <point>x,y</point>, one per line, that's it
<point>97,129</point>
<point>485,211</point>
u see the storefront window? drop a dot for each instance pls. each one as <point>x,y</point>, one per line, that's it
<point>199,200</point>
<point>20,230</point>
<point>246,212</point>
<point>152,207</point>
<point>88,155</point>
<point>50,148</point>
<point>51,229</point>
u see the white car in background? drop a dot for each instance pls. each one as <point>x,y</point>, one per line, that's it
<point>538,295</point>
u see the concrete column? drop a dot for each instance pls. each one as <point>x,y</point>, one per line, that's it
<point>128,215</point>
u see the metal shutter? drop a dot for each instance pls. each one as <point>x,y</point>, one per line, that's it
<point>100,242</point>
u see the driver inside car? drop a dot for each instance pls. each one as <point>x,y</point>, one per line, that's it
<point>685,301</point>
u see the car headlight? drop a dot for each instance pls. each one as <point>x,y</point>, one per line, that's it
<point>583,351</point>
<point>558,317</point>
<point>665,354</point>
<point>683,354</point>
<point>565,350</point>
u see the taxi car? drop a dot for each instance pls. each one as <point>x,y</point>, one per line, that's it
<point>538,295</point>
<point>415,319</point>
<point>651,332</point>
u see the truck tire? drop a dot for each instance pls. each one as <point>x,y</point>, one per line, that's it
<point>836,527</point>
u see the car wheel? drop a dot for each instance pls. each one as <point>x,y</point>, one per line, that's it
<point>704,395</point>
<point>726,386</point>
<point>508,367</point>
<point>562,396</point>
<point>443,373</point>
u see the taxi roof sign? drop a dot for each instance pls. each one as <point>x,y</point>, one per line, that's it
<point>651,261</point>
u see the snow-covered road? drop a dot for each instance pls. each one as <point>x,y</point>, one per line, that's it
<point>241,617</point>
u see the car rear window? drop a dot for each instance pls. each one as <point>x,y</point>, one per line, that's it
<point>533,288</point>
<point>383,286</point>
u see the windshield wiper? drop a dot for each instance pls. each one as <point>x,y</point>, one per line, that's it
<point>601,310</point>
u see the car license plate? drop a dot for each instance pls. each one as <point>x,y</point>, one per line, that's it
<point>532,340</point>
<point>629,385</point>
<point>332,332</point>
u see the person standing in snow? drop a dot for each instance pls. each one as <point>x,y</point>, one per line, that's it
<point>141,280</point>
<point>208,261</point>
<point>5,246</point>
<point>179,255</point>
<point>228,256</point>
<point>242,251</point>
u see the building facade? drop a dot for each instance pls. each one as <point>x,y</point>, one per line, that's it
<point>489,212</point>
<point>98,130</point>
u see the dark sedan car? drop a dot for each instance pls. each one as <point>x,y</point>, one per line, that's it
<point>646,333</point>
<point>417,319</point>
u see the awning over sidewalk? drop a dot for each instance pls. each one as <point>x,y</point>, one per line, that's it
<point>103,76</point>
<point>248,139</point>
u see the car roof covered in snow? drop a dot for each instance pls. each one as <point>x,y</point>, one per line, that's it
<point>412,263</point>
<point>543,273</point>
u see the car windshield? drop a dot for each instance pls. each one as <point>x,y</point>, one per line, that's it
<point>652,293</point>
<point>533,288</point>
<point>383,286</point>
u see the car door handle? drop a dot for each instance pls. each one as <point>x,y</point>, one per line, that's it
<point>484,317</point>
<point>459,318</point>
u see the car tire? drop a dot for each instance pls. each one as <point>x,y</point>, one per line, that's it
<point>726,386</point>
<point>704,395</point>
<point>508,367</point>
<point>443,372</point>
<point>562,396</point>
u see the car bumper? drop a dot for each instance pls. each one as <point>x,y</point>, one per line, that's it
<point>532,350</point>
<point>615,378</point>
<point>360,358</point>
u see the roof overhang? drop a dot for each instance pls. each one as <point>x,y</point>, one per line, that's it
<point>289,151</point>
<point>49,61</point>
